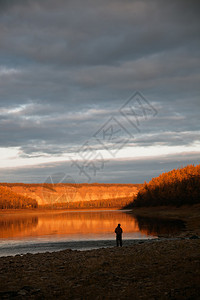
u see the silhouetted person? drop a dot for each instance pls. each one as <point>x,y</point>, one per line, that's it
<point>118,231</point>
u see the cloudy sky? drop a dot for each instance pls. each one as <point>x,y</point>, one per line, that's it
<point>98,91</point>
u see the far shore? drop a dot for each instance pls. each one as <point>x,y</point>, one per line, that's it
<point>41,210</point>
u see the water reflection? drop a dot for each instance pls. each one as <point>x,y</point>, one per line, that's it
<point>17,226</point>
<point>76,225</point>
<point>159,226</point>
<point>68,223</point>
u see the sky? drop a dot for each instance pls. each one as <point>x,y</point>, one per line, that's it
<point>98,91</point>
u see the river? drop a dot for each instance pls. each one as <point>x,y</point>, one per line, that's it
<point>40,231</point>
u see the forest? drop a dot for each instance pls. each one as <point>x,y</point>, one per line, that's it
<point>177,187</point>
<point>11,200</point>
<point>108,203</point>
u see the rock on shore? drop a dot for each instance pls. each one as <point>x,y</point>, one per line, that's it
<point>162,269</point>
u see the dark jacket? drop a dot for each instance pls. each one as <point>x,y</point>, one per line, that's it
<point>118,230</point>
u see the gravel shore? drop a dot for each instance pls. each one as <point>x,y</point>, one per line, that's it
<point>161,269</point>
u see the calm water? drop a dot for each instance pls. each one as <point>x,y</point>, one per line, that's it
<point>57,230</point>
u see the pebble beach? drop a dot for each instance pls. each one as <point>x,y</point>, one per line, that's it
<point>161,269</point>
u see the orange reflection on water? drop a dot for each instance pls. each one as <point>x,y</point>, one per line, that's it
<point>65,223</point>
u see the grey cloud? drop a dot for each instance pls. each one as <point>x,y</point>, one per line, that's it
<point>104,33</point>
<point>172,138</point>
<point>67,66</point>
<point>42,131</point>
<point>114,171</point>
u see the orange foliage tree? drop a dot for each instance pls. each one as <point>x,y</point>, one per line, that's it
<point>177,187</point>
<point>9,200</point>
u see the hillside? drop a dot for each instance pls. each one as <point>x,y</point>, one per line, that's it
<point>73,195</point>
<point>177,187</point>
<point>10,199</point>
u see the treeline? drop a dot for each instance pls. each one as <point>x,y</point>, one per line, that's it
<point>177,187</point>
<point>11,200</point>
<point>113,203</point>
<point>11,184</point>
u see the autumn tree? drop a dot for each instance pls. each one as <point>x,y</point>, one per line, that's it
<point>177,187</point>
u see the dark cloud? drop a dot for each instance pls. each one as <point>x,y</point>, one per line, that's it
<point>100,33</point>
<point>66,67</point>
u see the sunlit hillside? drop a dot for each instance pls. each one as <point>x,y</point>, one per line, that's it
<point>64,195</point>
<point>9,200</point>
<point>177,187</point>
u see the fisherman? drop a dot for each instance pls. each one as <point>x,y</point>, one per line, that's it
<point>118,231</point>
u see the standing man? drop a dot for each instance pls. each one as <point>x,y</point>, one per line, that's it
<point>118,231</point>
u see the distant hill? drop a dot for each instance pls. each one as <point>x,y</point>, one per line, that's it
<point>68,195</point>
<point>177,187</point>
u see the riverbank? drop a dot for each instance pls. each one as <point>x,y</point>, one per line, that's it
<point>162,269</point>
